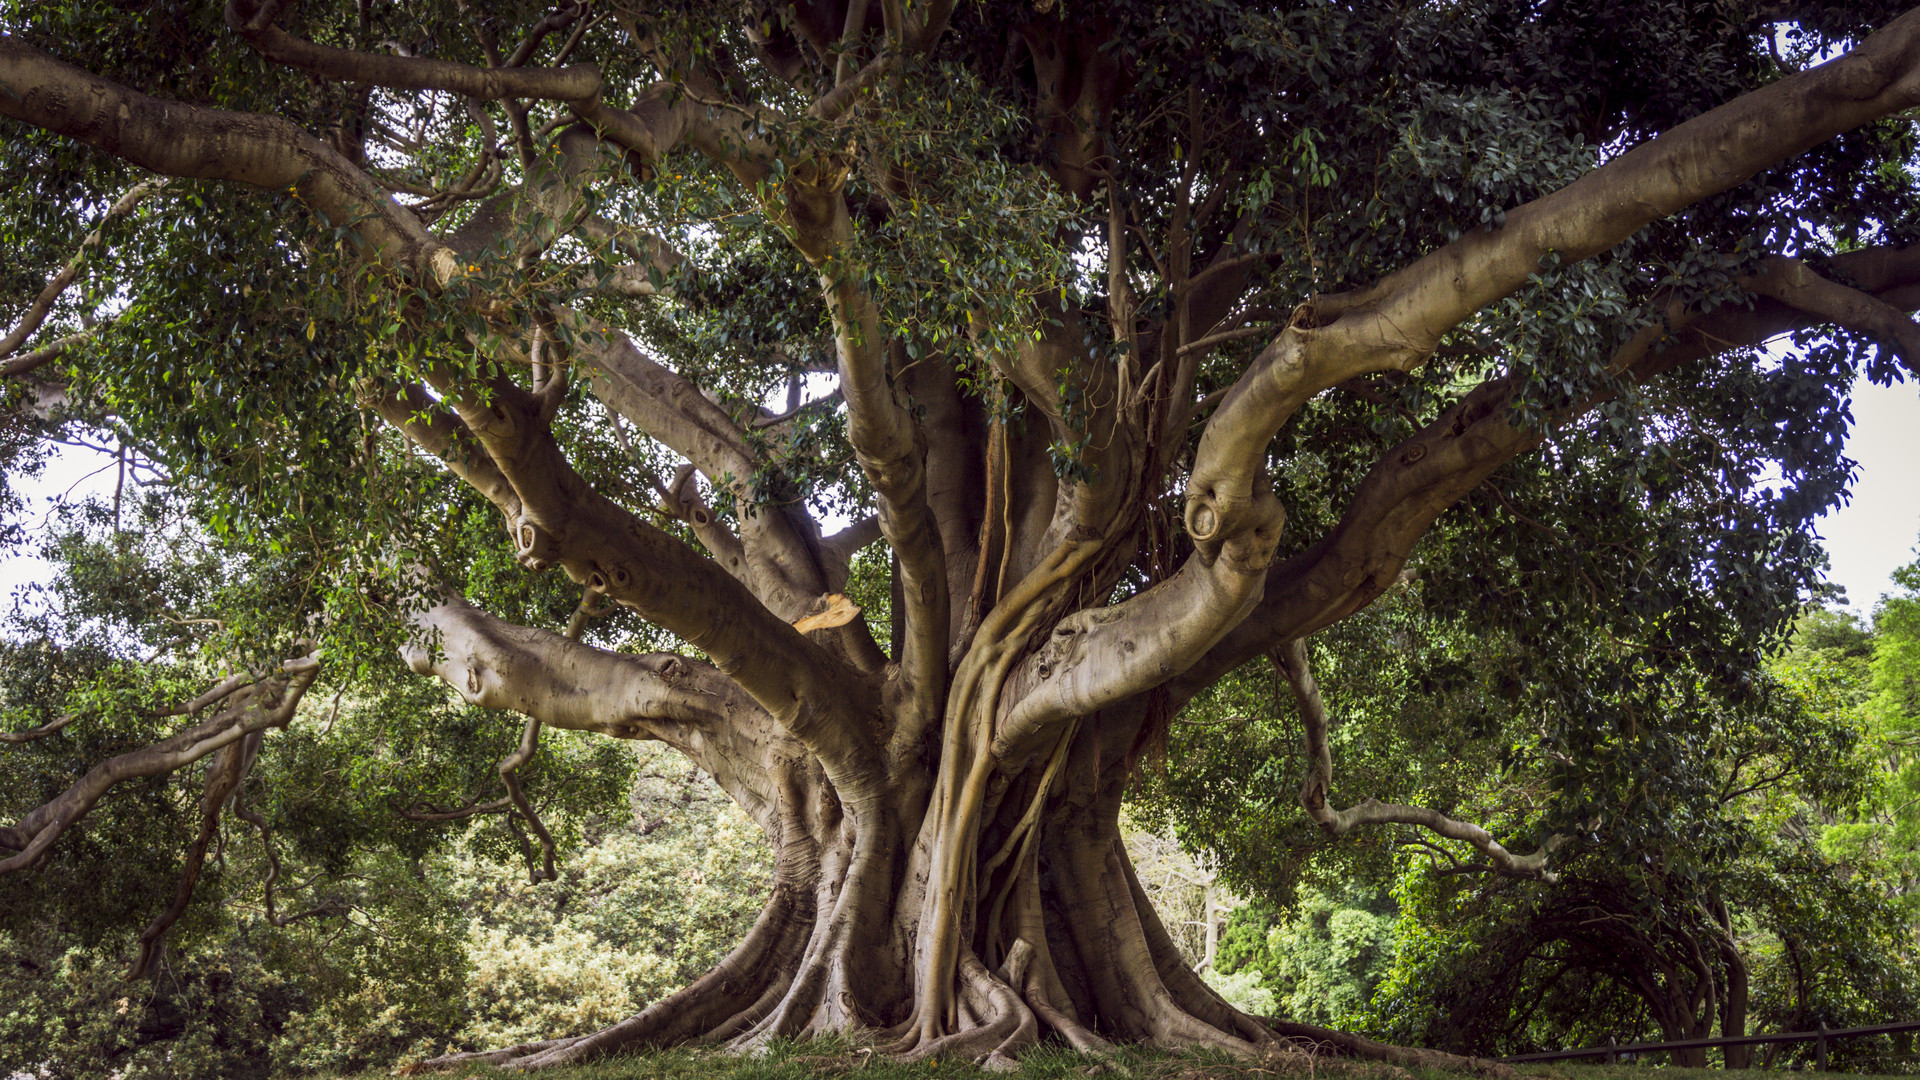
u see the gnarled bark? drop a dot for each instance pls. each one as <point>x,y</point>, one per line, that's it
<point>949,873</point>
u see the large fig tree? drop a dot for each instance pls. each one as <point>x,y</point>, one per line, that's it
<point>1148,339</point>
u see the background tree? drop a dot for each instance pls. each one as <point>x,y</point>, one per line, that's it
<point>1161,338</point>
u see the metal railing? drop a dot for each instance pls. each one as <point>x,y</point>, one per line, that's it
<point>1819,1038</point>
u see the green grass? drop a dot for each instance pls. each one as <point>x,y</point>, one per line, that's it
<point>1581,1071</point>
<point>833,1058</point>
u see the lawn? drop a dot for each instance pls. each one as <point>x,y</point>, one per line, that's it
<point>806,1061</point>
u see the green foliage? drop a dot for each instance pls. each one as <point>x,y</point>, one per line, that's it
<point>1676,796</point>
<point>1578,650</point>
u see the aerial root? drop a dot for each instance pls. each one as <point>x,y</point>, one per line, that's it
<point>995,1022</point>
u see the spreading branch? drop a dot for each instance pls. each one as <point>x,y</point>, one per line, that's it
<point>176,139</point>
<point>1415,481</point>
<point>690,705</point>
<point>255,704</point>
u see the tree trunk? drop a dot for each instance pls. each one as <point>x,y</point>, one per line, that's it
<point>1053,932</point>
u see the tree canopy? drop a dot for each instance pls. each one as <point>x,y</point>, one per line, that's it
<point>928,409</point>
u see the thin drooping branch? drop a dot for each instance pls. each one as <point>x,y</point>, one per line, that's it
<point>43,303</point>
<point>230,765</point>
<point>324,909</point>
<point>509,769</point>
<point>1291,659</point>
<point>40,732</point>
<point>569,84</point>
<point>261,702</point>
<point>427,812</point>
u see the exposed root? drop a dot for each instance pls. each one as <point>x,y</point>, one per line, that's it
<point>996,1023</point>
<point>757,973</point>
<point>450,1062</point>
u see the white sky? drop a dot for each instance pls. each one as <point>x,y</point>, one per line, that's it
<point>1875,534</point>
<point>1866,540</point>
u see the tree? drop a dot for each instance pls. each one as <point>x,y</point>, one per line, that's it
<point>1696,901</point>
<point>1160,337</point>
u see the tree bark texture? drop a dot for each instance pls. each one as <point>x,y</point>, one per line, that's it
<point>950,874</point>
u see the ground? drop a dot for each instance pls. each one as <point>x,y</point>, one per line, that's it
<point>832,1058</point>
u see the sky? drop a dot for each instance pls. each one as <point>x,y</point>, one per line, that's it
<point>1875,534</point>
<point>1866,540</point>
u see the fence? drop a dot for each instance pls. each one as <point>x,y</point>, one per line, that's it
<point>1820,1038</point>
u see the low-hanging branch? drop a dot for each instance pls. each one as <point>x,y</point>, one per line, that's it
<point>1292,661</point>
<point>245,705</point>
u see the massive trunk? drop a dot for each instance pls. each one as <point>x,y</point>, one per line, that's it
<point>1013,915</point>
<point>950,877</point>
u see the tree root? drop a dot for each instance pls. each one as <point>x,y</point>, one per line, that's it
<point>734,995</point>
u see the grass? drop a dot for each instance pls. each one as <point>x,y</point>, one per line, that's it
<point>835,1059</point>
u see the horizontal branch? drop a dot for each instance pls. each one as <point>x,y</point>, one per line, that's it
<point>176,139</point>
<point>580,83</point>
<point>685,703</point>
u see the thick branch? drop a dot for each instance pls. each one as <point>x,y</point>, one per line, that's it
<point>1791,282</point>
<point>177,139</point>
<point>690,705</point>
<point>776,556</point>
<point>1410,309</point>
<point>1399,321</point>
<point>254,705</point>
<point>579,84</point>
<point>554,516</point>
<point>884,437</point>
<point>1413,483</point>
<point>1102,655</point>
